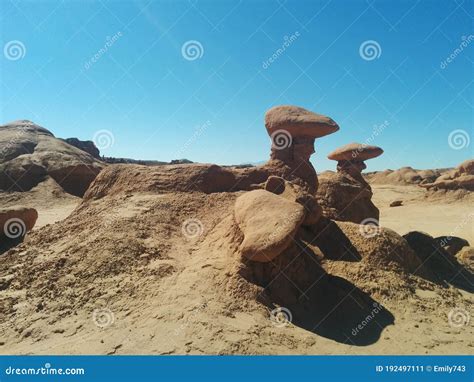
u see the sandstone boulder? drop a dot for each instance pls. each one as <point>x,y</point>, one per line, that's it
<point>268,223</point>
<point>299,122</point>
<point>16,222</point>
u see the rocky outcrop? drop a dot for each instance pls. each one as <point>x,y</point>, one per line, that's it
<point>29,153</point>
<point>87,146</point>
<point>460,178</point>
<point>345,195</point>
<point>403,176</point>
<point>443,265</point>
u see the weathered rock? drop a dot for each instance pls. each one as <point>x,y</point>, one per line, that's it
<point>207,178</point>
<point>87,146</point>
<point>16,222</point>
<point>344,198</point>
<point>403,176</point>
<point>275,184</point>
<point>298,122</point>
<point>29,153</point>
<point>460,178</point>
<point>293,131</point>
<point>268,223</point>
<point>345,195</point>
<point>396,203</point>
<point>452,244</point>
<point>466,256</point>
<point>355,152</point>
<point>441,263</point>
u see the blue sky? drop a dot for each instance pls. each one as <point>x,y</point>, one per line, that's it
<point>158,101</point>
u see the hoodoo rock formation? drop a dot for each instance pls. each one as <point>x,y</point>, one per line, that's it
<point>293,131</point>
<point>291,176</point>
<point>345,195</point>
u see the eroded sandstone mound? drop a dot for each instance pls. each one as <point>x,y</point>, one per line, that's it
<point>460,178</point>
<point>403,176</point>
<point>29,153</point>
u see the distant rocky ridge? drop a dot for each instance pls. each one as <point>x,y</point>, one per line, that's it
<point>30,153</point>
<point>90,148</point>
<point>404,176</point>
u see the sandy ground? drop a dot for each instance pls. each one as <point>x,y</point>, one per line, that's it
<point>436,216</point>
<point>128,283</point>
<point>51,202</point>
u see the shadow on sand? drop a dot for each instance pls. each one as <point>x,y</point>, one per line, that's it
<point>321,303</point>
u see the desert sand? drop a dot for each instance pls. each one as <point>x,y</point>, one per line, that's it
<point>180,296</point>
<point>163,260</point>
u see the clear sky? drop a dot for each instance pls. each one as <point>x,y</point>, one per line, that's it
<point>193,79</point>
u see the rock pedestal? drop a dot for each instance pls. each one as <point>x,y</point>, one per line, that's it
<point>345,195</point>
<point>270,217</point>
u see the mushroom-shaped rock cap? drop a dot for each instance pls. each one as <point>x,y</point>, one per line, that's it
<point>355,152</point>
<point>298,122</point>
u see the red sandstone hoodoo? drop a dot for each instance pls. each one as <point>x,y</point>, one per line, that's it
<point>345,195</point>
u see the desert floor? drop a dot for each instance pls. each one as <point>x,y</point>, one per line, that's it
<point>437,216</point>
<point>168,316</point>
